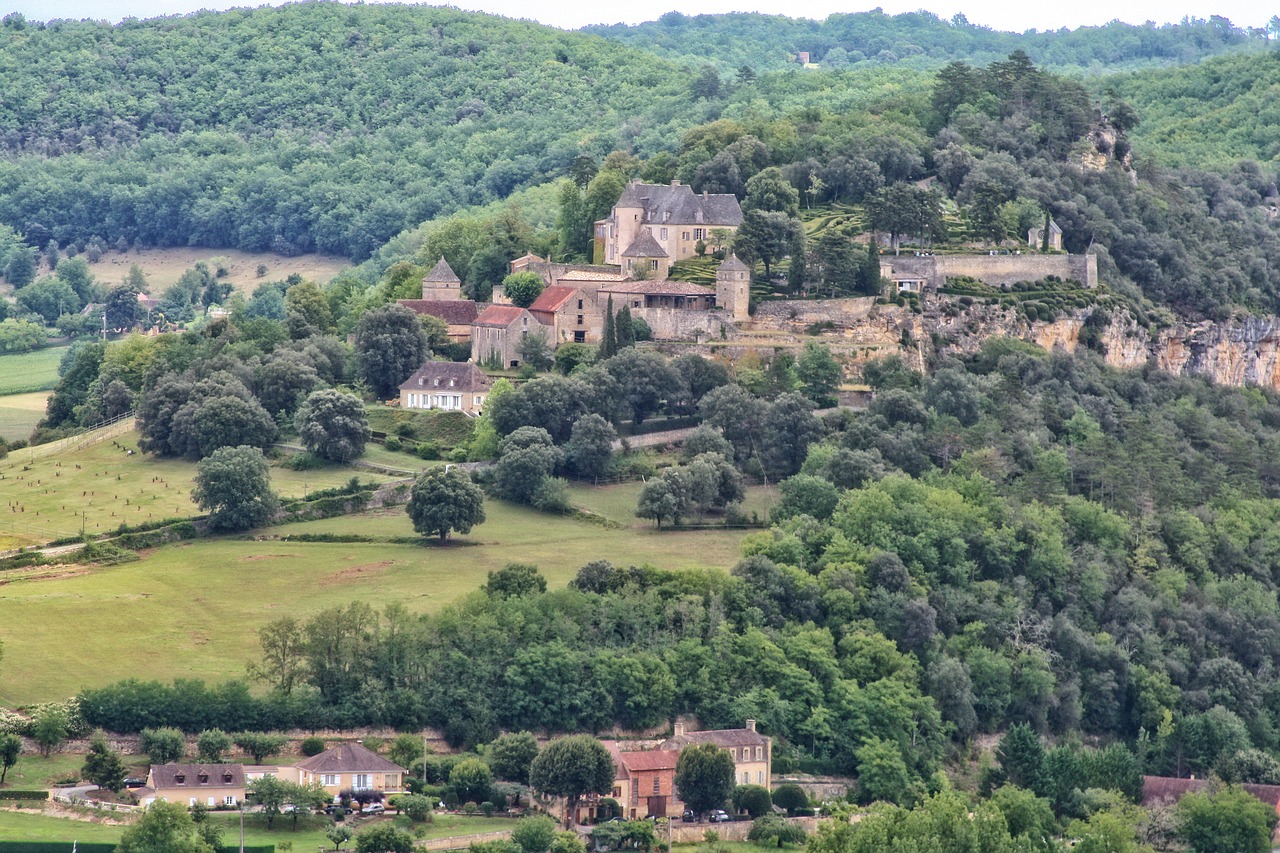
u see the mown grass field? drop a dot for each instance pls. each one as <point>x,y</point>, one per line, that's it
<point>24,372</point>
<point>192,609</point>
<point>163,267</point>
<point>618,502</point>
<point>19,413</point>
<point>30,825</point>
<point>43,497</point>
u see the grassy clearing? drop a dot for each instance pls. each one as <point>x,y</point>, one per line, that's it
<point>163,267</point>
<point>193,609</point>
<point>21,373</point>
<point>44,497</point>
<point>19,413</point>
<point>31,825</point>
<point>36,771</point>
<point>618,502</point>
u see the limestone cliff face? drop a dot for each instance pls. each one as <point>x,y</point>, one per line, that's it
<point>1239,352</point>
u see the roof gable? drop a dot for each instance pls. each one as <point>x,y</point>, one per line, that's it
<point>455,312</point>
<point>464,376</point>
<point>442,273</point>
<point>552,298</point>
<point>197,776</point>
<point>349,758</point>
<point>645,246</point>
<point>678,204</point>
<point>499,315</point>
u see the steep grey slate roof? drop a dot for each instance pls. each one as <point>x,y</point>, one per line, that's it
<point>645,247</point>
<point>349,758</point>
<point>721,738</point>
<point>732,264</point>
<point>680,204</point>
<point>442,273</point>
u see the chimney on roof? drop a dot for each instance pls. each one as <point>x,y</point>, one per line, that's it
<point>751,725</point>
<point>675,183</point>
<point>679,728</point>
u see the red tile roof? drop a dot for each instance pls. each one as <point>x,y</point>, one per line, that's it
<point>551,299</point>
<point>649,759</point>
<point>498,315</point>
<point>455,312</point>
<point>1157,788</point>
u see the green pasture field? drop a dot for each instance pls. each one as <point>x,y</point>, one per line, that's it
<point>19,413</point>
<point>192,609</point>
<point>42,497</point>
<point>30,825</point>
<point>21,373</point>
<point>618,502</point>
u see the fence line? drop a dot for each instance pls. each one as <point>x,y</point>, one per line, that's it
<point>89,435</point>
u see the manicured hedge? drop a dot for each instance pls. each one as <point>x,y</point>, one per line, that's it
<point>16,794</point>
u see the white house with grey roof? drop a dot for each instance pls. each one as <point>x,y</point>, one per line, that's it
<point>674,216</point>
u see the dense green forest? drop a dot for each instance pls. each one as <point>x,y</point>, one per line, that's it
<point>309,127</point>
<point>922,39</point>
<point>325,127</point>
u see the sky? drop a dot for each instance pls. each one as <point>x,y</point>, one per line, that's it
<point>570,14</point>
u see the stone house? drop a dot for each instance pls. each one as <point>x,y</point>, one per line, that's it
<point>674,216</point>
<point>442,282</point>
<point>752,752</point>
<point>457,314</point>
<point>569,314</point>
<point>644,782</point>
<point>446,385</point>
<point>733,288</point>
<point>677,295</point>
<point>497,332</point>
<point>350,766</point>
<point>207,784</point>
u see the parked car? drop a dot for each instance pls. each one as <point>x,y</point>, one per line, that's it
<point>373,808</point>
<point>689,816</point>
<point>336,808</point>
<point>134,782</point>
<point>718,816</point>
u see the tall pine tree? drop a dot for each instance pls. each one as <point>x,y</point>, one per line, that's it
<point>869,272</point>
<point>609,337</point>
<point>624,329</point>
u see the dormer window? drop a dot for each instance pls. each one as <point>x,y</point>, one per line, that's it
<point>180,778</point>
<point>226,778</point>
<point>204,778</point>
<point>437,381</point>
<point>452,383</point>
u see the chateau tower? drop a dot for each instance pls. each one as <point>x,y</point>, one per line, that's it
<point>733,287</point>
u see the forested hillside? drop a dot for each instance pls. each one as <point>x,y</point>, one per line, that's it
<point>922,39</point>
<point>325,127</point>
<point>309,127</point>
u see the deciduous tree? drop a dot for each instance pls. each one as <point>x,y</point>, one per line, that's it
<point>233,485</point>
<point>443,500</point>
<point>704,777</point>
<point>572,767</point>
<point>333,425</point>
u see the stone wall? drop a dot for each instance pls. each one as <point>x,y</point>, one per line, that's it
<point>670,324</point>
<point>996,270</point>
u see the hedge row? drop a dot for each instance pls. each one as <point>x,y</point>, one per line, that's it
<point>16,794</point>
